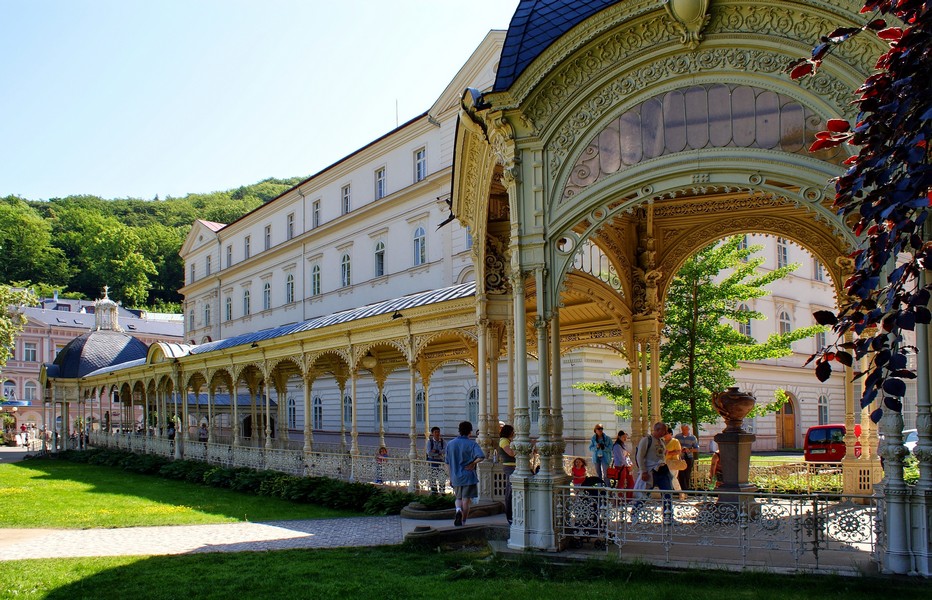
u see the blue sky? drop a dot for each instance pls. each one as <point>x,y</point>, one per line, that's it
<point>129,98</point>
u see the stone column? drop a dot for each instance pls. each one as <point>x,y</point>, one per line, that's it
<point>482,382</point>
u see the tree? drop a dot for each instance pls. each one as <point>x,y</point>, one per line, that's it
<point>12,320</point>
<point>887,191</point>
<point>106,252</point>
<point>701,347</point>
<point>26,246</point>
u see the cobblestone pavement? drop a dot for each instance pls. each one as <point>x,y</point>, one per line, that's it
<point>182,539</point>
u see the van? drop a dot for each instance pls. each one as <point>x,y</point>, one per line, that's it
<point>826,443</point>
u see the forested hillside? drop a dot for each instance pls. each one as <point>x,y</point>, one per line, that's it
<point>79,244</point>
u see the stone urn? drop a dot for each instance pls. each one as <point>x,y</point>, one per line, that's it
<point>733,405</point>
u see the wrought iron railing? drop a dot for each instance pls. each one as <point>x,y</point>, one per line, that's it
<point>831,532</point>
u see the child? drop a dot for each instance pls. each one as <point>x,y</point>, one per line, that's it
<point>579,471</point>
<point>379,461</point>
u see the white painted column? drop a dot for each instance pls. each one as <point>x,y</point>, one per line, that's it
<point>354,445</point>
<point>412,435</point>
<point>308,417</point>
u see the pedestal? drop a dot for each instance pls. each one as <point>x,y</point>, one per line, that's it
<point>735,453</point>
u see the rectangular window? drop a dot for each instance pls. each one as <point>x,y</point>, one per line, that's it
<point>229,256</point>
<point>380,183</point>
<point>207,266</point>
<point>346,196</point>
<point>818,273</point>
<point>192,273</point>
<point>246,246</point>
<point>268,237</point>
<point>315,280</point>
<point>783,253</point>
<point>289,230</point>
<point>420,164</point>
<point>315,214</point>
<point>30,354</point>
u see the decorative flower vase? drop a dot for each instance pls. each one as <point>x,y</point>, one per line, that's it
<point>733,405</point>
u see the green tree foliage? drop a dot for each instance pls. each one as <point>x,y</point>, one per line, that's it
<point>26,246</point>
<point>12,320</point>
<point>701,347</point>
<point>81,243</point>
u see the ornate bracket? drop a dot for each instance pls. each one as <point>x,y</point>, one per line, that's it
<point>689,19</point>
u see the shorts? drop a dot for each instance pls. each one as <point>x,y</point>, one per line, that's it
<point>466,491</point>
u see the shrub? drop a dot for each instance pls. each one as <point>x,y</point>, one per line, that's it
<point>146,464</point>
<point>389,503</point>
<point>191,471</point>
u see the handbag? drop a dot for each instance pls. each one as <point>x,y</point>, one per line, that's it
<point>613,472</point>
<point>676,464</point>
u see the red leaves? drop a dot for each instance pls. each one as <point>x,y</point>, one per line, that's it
<point>838,125</point>
<point>891,34</point>
<point>802,70</point>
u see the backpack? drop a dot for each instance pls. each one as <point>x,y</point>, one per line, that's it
<point>634,457</point>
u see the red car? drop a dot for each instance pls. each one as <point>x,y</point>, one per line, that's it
<point>826,443</point>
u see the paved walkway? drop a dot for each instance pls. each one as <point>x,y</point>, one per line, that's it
<point>232,537</point>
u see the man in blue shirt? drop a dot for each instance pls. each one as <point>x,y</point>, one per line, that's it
<point>463,454</point>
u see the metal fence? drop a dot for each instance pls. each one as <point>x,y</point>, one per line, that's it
<point>814,532</point>
<point>399,472</point>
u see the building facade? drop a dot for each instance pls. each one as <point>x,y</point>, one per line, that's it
<point>50,326</point>
<point>519,237</point>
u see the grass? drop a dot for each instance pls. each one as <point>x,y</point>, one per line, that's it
<point>399,572</point>
<point>62,494</point>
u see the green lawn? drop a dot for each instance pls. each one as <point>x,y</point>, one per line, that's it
<point>62,494</point>
<point>405,573</point>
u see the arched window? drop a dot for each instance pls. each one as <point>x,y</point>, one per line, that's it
<point>419,407</point>
<point>207,315</point>
<point>346,278</point>
<point>247,307</point>
<point>785,323</point>
<point>292,413</point>
<point>289,289</point>
<point>229,309</point>
<point>384,410</point>
<point>315,280</point>
<point>267,296</point>
<point>420,246</point>
<point>472,406</point>
<point>31,391</point>
<point>379,259</point>
<point>823,410</point>
<point>534,404</point>
<point>347,410</point>
<point>783,253</point>
<point>318,413</point>
<point>9,390</point>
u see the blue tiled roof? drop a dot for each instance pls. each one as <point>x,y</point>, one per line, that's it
<point>536,25</point>
<point>95,350</point>
<point>387,307</point>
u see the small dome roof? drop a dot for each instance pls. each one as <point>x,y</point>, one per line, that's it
<point>96,350</point>
<point>536,25</point>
